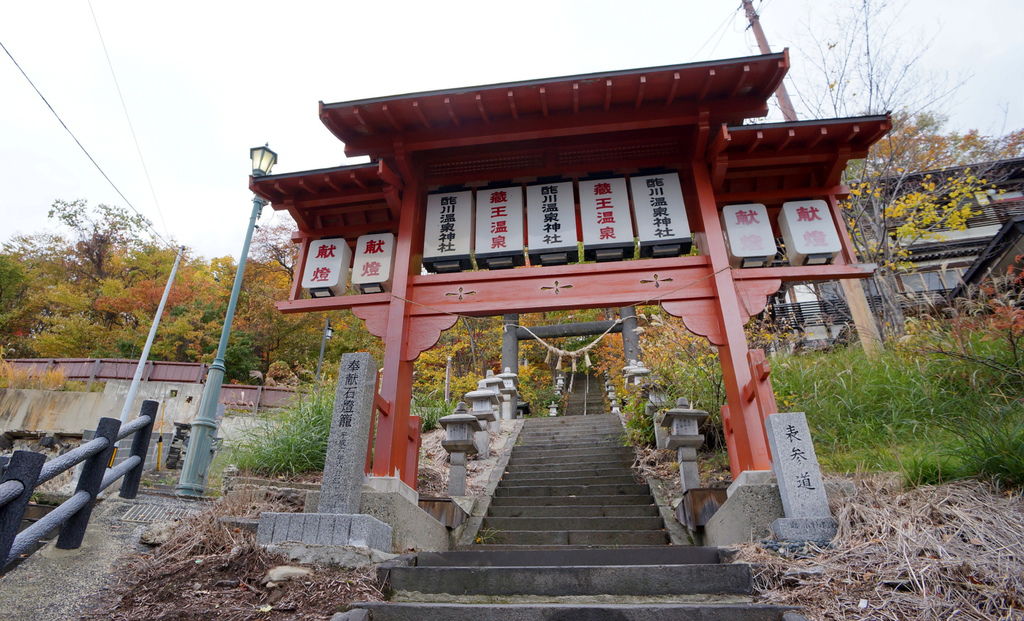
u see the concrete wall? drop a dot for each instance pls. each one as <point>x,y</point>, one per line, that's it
<point>50,412</point>
<point>60,412</point>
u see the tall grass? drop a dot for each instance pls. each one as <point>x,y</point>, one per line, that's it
<point>430,407</point>
<point>290,441</point>
<point>293,440</point>
<point>933,419</point>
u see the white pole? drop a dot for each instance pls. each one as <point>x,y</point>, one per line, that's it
<point>133,390</point>
<point>447,380</point>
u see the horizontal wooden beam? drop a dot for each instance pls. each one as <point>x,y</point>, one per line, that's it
<point>582,328</point>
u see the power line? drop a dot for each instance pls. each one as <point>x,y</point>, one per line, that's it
<point>721,27</point>
<point>124,107</point>
<point>82,147</point>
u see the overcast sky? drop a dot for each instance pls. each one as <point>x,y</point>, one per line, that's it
<point>204,81</point>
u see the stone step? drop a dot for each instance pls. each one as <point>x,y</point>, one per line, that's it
<point>533,475</point>
<point>609,427</point>
<point>546,464</point>
<point>573,523</point>
<point>574,511</point>
<point>582,537</point>
<point>624,478</point>
<point>562,422</point>
<point>484,547</point>
<point>714,579</point>
<point>563,437</point>
<point>422,611</point>
<point>572,490</point>
<point>660,555</point>
<point>567,501</point>
<point>599,451</point>
<point>570,445</point>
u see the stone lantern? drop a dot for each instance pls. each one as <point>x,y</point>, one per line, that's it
<point>553,409</point>
<point>494,383</point>
<point>484,406</point>
<point>460,429</point>
<point>636,371</point>
<point>682,424</point>
<point>510,394</point>
<point>560,383</point>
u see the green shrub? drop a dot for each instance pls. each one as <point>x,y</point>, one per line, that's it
<point>430,407</point>
<point>992,447</point>
<point>291,440</point>
<point>639,426</point>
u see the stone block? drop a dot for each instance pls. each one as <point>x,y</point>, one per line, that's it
<point>412,527</point>
<point>367,531</point>
<point>751,477</point>
<point>391,485</point>
<point>349,435</point>
<point>331,529</point>
<point>796,466</point>
<point>750,511</point>
<point>745,516</point>
<point>818,530</point>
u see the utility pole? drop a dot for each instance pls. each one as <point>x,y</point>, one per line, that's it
<point>133,390</point>
<point>856,300</point>
<point>785,104</point>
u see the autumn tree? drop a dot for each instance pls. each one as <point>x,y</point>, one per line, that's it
<point>865,67</point>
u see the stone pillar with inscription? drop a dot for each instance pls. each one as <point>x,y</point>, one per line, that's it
<point>804,503</point>
<point>338,521</point>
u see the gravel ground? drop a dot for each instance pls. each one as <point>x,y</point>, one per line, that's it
<point>56,585</point>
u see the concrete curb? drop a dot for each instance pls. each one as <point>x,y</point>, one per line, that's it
<point>466,533</point>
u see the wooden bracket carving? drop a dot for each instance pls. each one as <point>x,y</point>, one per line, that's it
<point>699,316</point>
<point>424,332</point>
<point>375,316</point>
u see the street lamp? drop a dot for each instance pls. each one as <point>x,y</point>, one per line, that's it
<point>204,427</point>
<point>328,332</point>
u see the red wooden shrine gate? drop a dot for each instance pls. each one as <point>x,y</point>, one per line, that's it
<point>685,118</point>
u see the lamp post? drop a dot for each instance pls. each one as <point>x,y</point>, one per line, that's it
<point>204,427</point>
<point>328,332</point>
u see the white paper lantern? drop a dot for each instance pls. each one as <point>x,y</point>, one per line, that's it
<point>607,222</point>
<point>326,271</point>
<point>499,227</point>
<point>448,233</point>
<point>661,222</point>
<point>809,232</point>
<point>374,256</point>
<point>748,234</point>
<point>551,223</point>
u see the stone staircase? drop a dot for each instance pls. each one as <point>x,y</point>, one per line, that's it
<point>586,397</point>
<point>571,535</point>
<point>569,482</point>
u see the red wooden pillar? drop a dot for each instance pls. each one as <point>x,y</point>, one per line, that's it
<point>391,449</point>
<point>744,429</point>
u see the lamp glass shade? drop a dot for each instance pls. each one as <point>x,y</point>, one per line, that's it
<point>263,159</point>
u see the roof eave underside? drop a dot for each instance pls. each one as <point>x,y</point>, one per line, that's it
<point>746,83</point>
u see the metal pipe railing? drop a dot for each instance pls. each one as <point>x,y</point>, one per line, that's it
<point>26,471</point>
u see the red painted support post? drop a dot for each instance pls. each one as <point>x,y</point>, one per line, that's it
<point>396,382</point>
<point>744,429</point>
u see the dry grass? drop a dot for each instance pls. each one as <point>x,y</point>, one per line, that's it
<point>211,571</point>
<point>953,551</point>
<point>433,476</point>
<point>661,464</point>
<point>50,379</point>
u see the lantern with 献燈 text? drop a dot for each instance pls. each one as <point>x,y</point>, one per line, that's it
<point>748,235</point>
<point>327,267</point>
